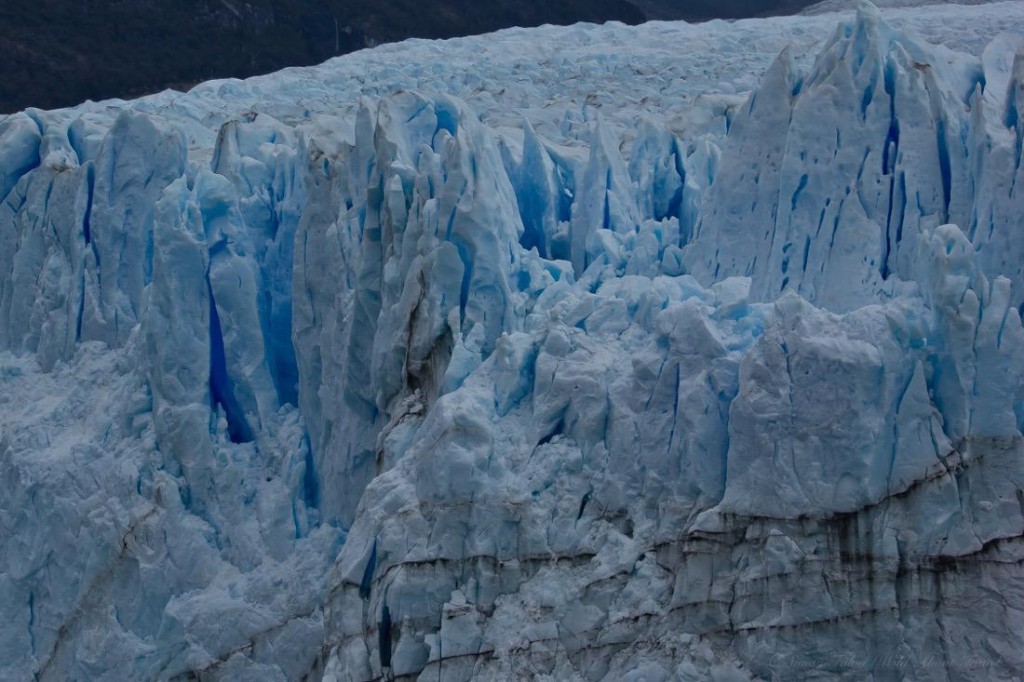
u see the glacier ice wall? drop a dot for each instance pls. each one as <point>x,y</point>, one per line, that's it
<point>405,393</point>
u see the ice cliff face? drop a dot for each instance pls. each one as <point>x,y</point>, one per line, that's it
<point>387,388</point>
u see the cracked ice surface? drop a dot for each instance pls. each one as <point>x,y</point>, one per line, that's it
<point>432,362</point>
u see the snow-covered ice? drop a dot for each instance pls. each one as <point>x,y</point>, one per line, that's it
<point>665,352</point>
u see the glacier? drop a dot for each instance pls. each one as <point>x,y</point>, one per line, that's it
<point>665,352</point>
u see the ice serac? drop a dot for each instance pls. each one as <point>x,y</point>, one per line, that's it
<point>260,156</point>
<point>604,203</point>
<point>327,376</point>
<point>138,159</point>
<point>657,166</point>
<point>407,282</point>
<point>864,154</point>
<point>544,186</point>
<point>997,136</point>
<point>731,233</point>
<point>176,329</point>
<point>43,220</point>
